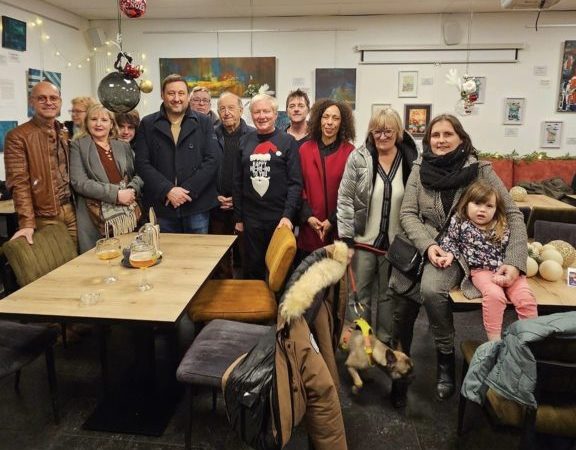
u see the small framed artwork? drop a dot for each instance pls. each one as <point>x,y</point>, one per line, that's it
<point>5,127</point>
<point>407,84</point>
<point>416,119</point>
<point>571,276</point>
<point>379,106</point>
<point>551,134</point>
<point>481,82</point>
<point>514,111</point>
<point>13,34</point>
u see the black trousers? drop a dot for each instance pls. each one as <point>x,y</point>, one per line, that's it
<point>257,236</point>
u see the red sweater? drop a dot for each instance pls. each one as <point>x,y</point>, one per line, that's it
<point>321,179</point>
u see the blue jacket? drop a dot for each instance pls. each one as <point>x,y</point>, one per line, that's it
<point>191,164</point>
<point>508,366</point>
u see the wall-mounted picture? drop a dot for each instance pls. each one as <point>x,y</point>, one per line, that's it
<point>282,121</point>
<point>567,88</point>
<point>337,84</point>
<point>408,84</point>
<point>37,75</point>
<point>379,106</point>
<point>551,134</point>
<point>481,83</point>
<point>242,76</point>
<point>13,34</point>
<point>5,127</point>
<point>514,111</point>
<point>416,119</point>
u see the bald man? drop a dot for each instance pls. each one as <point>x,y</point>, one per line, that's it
<point>37,166</point>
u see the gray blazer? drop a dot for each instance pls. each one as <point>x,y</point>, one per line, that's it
<point>89,180</point>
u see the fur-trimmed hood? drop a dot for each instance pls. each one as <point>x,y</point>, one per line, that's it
<point>322,268</point>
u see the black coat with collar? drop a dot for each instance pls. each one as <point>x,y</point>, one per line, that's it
<point>192,163</point>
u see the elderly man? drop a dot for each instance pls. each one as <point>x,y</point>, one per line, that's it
<point>200,101</point>
<point>267,184</point>
<point>297,108</point>
<point>177,156</point>
<point>37,166</point>
<point>231,128</point>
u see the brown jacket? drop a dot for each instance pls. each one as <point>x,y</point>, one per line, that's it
<point>306,376</point>
<point>29,172</point>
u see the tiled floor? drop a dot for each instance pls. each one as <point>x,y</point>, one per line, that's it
<point>371,423</point>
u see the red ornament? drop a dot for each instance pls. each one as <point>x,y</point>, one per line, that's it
<point>473,97</point>
<point>133,8</point>
<point>131,71</point>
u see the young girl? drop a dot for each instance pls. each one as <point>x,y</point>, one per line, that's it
<point>479,233</point>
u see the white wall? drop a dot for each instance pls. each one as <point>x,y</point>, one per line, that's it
<point>66,36</point>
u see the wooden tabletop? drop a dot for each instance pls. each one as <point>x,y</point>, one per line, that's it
<point>543,202</point>
<point>187,262</point>
<point>7,207</point>
<point>547,293</point>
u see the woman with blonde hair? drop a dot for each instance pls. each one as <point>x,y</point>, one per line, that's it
<point>80,106</point>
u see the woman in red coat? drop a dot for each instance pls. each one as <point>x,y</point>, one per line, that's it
<point>323,158</point>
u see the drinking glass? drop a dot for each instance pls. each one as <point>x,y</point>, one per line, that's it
<point>107,249</point>
<point>143,255</point>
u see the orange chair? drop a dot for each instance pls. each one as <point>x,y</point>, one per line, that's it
<point>248,300</point>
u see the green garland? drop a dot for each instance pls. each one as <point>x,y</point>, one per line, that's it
<point>534,156</point>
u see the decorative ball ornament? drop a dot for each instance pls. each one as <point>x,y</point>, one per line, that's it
<point>118,93</point>
<point>133,8</point>
<point>518,193</point>
<point>567,251</point>
<point>146,86</point>
<point>551,270</point>
<point>531,267</point>
<point>547,247</point>
<point>552,254</point>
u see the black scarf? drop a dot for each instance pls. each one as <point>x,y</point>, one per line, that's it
<point>447,172</point>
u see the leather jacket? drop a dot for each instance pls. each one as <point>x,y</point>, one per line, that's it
<point>29,171</point>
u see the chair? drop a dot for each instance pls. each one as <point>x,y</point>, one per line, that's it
<point>545,231</point>
<point>248,300</point>
<point>20,345</point>
<point>555,393</point>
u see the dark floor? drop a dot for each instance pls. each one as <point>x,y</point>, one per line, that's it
<point>371,423</point>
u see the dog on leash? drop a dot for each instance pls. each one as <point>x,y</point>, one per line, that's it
<point>365,351</point>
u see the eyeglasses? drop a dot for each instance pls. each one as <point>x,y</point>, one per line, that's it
<point>76,111</point>
<point>44,98</point>
<point>386,133</point>
<point>200,100</point>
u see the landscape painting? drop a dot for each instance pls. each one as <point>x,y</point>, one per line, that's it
<point>337,84</point>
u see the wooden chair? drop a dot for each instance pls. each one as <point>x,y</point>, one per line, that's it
<point>248,300</point>
<point>555,393</point>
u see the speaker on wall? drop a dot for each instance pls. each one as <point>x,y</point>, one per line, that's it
<point>452,33</point>
<point>95,37</point>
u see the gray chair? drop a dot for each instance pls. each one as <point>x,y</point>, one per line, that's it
<point>546,231</point>
<point>20,344</point>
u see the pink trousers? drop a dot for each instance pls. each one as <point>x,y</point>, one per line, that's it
<point>494,299</point>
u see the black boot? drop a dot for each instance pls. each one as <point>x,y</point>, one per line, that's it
<point>398,393</point>
<point>445,375</point>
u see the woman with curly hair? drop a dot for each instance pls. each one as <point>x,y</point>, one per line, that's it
<point>323,158</point>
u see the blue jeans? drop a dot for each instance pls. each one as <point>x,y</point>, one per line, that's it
<point>194,224</point>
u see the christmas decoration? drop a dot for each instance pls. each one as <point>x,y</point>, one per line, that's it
<point>133,8</point>
<point>468,87</point>
<point>118,93</point>
<point>146,86</point>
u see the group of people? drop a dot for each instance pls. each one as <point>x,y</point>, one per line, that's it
<point>204,172</point>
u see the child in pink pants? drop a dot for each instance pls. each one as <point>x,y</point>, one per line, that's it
<point>479,233</point>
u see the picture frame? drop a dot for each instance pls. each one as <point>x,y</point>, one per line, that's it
<point>5,127</point>
<point>377,106</point>
<point>408,83</point>
<point>481,81</point>
<point>514,110</point>
<point>551,136</point>
<point>417,118</point>
<point>13,34</point>
<point>567,85</point>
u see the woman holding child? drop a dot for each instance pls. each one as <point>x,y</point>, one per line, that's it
<point>440,176</point>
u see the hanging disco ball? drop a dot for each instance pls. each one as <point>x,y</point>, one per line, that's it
<point>133,8</point>
<point>117,93</point>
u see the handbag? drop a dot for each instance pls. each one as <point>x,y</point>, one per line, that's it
<point>404,256</point>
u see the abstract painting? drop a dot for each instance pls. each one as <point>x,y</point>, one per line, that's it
<point>37,75</point>
<point>5,127</point>
<point>567,90</point>
<point>337,84</point>
<point>242,76</point>
<point>282,121</point>
<point>13,34</point>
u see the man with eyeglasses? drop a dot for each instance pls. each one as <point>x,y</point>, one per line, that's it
<point>200,101</point>
<point>36,158</point>
<point>228,132</point>
<point>177,156</point>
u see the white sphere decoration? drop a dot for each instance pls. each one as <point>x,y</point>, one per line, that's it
<point>547,247</point>
<point>531,267</point>
<point>537,246</point>
<point>551,270</point>
<point>518,193</point>
<point>552,254</point>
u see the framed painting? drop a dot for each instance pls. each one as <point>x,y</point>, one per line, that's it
<point>244,77</point>
<point>379,106</point>
<point>282,121</point>
<point>417,118</point>
<point>567,87</point>
<point>408,84</point>
<point>5,127</point>
<point>37,75</point>
<point>481,82</point>
<point>337,84</point>
<point>13,34</point>
<point>551,134</point>
<point>514,111</point>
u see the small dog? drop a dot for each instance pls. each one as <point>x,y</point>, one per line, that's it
<point>365,351</point>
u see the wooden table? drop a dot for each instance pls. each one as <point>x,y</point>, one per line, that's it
<point>141,405</point>
<point>542,207</point>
